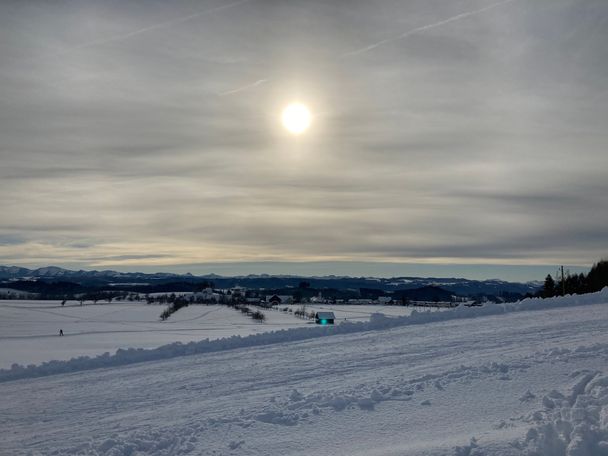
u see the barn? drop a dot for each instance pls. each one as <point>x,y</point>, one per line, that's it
<point>275,300</point>
<point>324,318</point>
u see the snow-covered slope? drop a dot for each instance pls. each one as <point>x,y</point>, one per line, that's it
<point>506,382</point>
<point>259,334</point>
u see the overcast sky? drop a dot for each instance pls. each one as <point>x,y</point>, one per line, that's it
<point>146,134</point>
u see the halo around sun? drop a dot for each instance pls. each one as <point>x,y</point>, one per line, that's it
<point>296,118</point>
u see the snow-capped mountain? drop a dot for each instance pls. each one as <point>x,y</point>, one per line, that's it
<point>459,286</point>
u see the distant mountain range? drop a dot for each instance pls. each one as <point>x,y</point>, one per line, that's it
<point>458,286</point>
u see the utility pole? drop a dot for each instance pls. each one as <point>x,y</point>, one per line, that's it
<point>563,283</point>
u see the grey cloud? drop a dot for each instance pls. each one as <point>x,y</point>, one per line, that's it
<point>11,239</point>
<point>481,139</point>
<point>126,257</point>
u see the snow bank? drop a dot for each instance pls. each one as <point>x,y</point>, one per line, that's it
<point>377,322</point>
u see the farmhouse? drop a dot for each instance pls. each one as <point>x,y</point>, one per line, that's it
<point>324,318</point>
<point>279,299</point>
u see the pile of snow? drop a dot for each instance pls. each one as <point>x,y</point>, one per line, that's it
<point>377,322</point>
<point>574,424</point>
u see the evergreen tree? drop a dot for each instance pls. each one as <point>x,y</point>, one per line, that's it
<point>549,287</point>
<point>597,277</point>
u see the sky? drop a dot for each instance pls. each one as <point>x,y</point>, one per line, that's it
<point>466,137</point>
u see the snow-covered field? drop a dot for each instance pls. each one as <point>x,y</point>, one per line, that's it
<point>348,312</point>
<point>29,330</point>
<point>528,379</point>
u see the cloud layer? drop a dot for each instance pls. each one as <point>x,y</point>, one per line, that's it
<point>141,133</point>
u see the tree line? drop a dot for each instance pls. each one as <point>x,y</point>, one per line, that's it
<point>594,280</point>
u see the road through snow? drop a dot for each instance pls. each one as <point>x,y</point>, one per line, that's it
<point>512,384</point>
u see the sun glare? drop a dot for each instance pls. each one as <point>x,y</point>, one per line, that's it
<point>296,118</point>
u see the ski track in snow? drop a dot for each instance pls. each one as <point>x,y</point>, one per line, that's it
<point>518,383</point>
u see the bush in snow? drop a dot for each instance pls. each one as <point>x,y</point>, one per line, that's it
<point>178,303</point>
<point>165,313</point>
<point>300,312</point>
<point>259,316</point>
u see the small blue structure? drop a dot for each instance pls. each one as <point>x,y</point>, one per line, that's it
<point>324,318</point>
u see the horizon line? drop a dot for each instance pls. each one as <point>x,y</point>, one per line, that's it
<point>522,273</point>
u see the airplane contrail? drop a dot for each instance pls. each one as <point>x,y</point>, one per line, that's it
<point>160,25</point>
<point>388,40</point>
<point>425,27</point>
<point>246,87</point>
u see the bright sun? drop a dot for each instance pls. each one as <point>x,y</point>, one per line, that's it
<point>296,118</point>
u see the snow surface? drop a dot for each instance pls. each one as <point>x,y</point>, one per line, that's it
<point>349,312</point>
<point>528,378</point>
<point>29,330</point>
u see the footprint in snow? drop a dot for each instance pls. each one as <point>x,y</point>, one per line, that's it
<point>234,445</point>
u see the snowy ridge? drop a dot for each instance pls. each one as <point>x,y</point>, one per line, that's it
<point>377,322</point>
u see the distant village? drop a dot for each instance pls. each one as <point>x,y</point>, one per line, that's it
<point>206,293</point>
<point>427,296</point>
